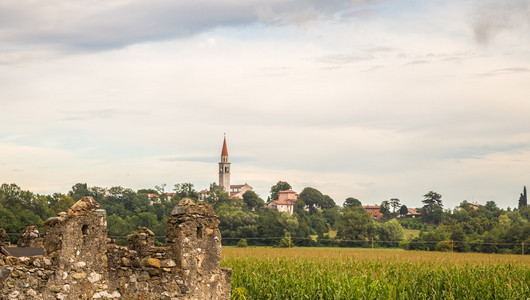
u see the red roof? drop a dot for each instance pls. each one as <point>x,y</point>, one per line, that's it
<point>413,211</point>
<point>225,151</point>
<point>283,202</point>
<point>371,206</point>
<point>287,192</point>
<point>237,186</point>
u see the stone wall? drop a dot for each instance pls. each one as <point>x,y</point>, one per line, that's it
<point>82,262</point>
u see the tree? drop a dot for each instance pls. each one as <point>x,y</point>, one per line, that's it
<point>432,208</point>
<point>352,202</point>
<point>289,223</point>
<point>185,190</point>
<point>278,187</point>
<point>313,198</point>
<point>394,203</point>
<point>391,233</point>
<point>252,200</point>
<point>217,193</point>
<point>79,190</point>
<point>385,209</point>
<point>327,202</point>
<point>356,227</point>
<point>403,210</point>
<point>523,200</point>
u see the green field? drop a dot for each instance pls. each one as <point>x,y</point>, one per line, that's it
<point>344,273</point>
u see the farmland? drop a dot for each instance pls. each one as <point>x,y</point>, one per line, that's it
<point>343,273</point>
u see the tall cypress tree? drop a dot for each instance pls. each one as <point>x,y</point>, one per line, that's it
<point>523,199</point>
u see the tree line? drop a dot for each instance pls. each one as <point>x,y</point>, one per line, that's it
<point>316,220</point>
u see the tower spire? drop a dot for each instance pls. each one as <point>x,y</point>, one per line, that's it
<point>225,150</point>
<point>224,168</point>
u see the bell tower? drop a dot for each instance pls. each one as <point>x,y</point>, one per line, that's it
<point>224,169</point>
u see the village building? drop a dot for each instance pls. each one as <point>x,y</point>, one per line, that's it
<point>412,213</point>
<point>373,210</point>
<point>285,202</point>
<point>155,198</point>
<point>237,191</point>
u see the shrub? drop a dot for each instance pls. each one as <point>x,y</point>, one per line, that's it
<point>443,246</point>
<point>285,243</point>
<point>242,243</point>
<point>404,244</point>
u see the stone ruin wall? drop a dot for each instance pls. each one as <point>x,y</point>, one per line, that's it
<point>82,262</point>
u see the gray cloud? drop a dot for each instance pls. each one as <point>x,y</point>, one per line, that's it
<point>417,62</point>
<point>95,26</point>
<point>504,71</point>
<point>494,16</point>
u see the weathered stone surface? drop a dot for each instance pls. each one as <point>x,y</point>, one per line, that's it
<point>4,238</point>
<point>167,263</point>
<point>16,274</point>
<point>151,262</point>
<point>4,272</point>
<point>81,261</point>
<point>126,261</point>
<point>142,241</point>
<point>30,237</point>
<point>79,276</point>
<point>94,277</point>
<point>54,288</point>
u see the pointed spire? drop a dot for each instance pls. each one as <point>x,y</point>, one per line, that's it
<point>225,150</point>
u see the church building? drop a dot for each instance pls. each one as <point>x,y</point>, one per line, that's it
<point>235,191</point>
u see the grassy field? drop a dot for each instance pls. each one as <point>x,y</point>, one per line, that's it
<point>343,273</point>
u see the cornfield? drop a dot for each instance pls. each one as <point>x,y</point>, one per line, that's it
<point>338,273</point>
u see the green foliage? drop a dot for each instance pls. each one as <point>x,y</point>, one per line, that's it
<point>278,187</point>
<point>484,229</point>
<point>356,228</point>
<point>242,243</point>
<point>444,246</point>
<point>185,190</point>
<point>314,199</point>
<point>432,208</point>
<point>403,210</point>
<point>390,233</point>
<point>385,209</point>
<point>239,293</point>
<point>286,243</point>
<point>252,200</point>
<point>236,223</point>
<point>395,204</point>
<point>352,202</point>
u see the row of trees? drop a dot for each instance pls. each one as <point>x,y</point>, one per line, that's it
<point>316,220</point>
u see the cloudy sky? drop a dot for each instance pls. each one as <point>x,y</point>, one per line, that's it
<point>367,98</point>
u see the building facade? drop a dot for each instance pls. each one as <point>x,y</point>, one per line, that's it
<point>285,202</point>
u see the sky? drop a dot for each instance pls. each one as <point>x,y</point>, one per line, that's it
<point>372,99</point>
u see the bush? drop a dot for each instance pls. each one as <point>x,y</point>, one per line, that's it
<point>242,243</point>
<point>444,246</point>
<point>404,244</point>
<point>285,243</point>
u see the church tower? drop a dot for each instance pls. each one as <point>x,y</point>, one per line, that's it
<point>224,169</point>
